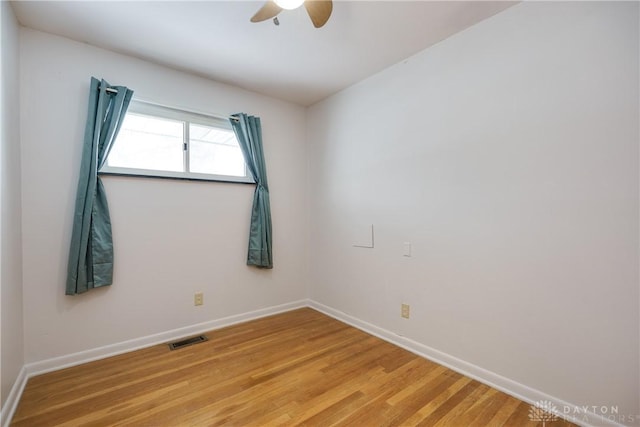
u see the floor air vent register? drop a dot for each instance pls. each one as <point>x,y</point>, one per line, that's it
<point>187,342</point>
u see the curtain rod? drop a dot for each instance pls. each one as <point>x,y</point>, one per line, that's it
<point>235,119</point>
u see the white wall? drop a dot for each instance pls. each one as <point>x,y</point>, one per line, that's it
<point>508,156</point>
<point>171,238</point>
<point>11,355</point>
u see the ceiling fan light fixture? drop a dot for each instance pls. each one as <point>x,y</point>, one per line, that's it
<point>289,4</point>
<point>318,10</point>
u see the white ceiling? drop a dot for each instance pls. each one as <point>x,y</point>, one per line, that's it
<point>293,61</point>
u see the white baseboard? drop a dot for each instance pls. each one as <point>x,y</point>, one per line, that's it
<point>56,363</point>
<point>11,404</point>
<point>570,412</point>
<point>36,368</point>
<point>577,414</point>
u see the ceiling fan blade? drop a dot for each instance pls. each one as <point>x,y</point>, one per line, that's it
<point>319,11</point>
<point>267,11</point>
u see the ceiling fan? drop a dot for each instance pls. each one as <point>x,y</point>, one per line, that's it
<point>319,10</point>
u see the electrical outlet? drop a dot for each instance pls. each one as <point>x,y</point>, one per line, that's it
<point>404,311</point>
<point>198,298</point>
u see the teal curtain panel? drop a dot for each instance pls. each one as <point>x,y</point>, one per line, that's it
<point>248,131</point>
<point>91,252</point>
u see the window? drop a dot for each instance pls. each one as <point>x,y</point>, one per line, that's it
<point>165,142</point>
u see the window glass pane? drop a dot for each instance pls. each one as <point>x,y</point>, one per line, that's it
<point>146,142</point>
<point>214,151</point>
<point>151,143</point>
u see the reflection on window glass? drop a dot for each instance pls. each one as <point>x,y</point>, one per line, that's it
<point>214,151</point>
<point>148,143</point>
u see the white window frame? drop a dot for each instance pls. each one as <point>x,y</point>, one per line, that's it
<point>187,117</point>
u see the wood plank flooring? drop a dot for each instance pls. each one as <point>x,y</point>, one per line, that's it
<point>296,368</point>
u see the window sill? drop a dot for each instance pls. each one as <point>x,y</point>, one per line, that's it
<point>227,180</point>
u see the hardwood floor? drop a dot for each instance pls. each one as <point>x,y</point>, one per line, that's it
<point>296,368</point>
